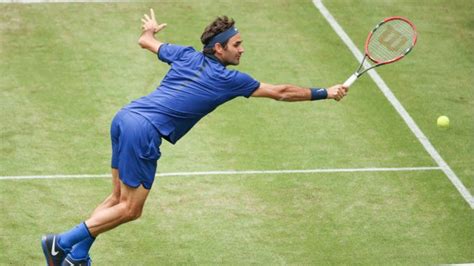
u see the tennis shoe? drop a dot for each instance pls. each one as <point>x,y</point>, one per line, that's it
<point>53,253</point>
<point>69,261</point>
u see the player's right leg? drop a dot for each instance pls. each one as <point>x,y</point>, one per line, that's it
<point>135,151</point>
<point>130,208</point>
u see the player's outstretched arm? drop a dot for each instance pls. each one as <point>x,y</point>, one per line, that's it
<point>292,93</point>
<point>150,27</point>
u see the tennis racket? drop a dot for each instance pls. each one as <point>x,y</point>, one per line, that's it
<point>388,42</point>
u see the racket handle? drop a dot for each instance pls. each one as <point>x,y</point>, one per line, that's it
<point>350,81</point>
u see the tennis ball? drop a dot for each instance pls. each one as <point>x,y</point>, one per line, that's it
<point>443,122</point>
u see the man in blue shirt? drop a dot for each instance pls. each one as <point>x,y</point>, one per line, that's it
<point>196,84</point>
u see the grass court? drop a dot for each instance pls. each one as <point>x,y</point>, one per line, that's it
<point>66,68</point>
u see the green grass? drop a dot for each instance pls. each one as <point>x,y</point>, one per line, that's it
<point>67,68</point>
<point>284,219</point>
<point>436,78</point>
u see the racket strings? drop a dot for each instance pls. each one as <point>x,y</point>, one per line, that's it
<point>391,40</point>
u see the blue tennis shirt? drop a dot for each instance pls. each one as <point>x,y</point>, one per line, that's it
<point>194,86</point>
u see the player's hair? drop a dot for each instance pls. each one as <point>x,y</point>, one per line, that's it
<point>220,24</point>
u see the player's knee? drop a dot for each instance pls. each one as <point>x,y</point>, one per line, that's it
<point>132,213</point>
<point>114,199</point>
<point>137,214</point>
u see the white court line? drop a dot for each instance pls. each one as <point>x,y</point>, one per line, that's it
<point>398,106</point>
<point>59,1</point>
<point>245,172</point>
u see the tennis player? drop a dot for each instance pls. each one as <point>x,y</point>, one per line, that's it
<point>196,84</point>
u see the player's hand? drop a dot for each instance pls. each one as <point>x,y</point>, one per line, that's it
<point>337,92</point>
<point>150,24</point>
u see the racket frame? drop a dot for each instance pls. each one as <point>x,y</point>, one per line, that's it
<point>357,73</point>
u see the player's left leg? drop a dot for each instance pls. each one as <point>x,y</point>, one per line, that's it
<point>135,146</point>
<point>112,200</point>
<point>114,197</point>
<point>82,236</point>
<point>53,253</point>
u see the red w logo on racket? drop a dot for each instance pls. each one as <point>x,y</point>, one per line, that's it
<point>392,39</point>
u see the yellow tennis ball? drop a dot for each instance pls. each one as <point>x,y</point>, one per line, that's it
<point>443,122</point>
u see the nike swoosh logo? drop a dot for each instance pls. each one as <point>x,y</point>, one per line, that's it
<point>53,250</point>
<point>66,260</point>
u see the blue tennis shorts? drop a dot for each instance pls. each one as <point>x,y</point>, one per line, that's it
<point>135,149</point>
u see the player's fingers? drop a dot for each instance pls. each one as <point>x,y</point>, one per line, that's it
<point>161,26</point>
<point>144,21</point>
<point>341,94</point>
<point>146,16</point>
<point>152,13</point>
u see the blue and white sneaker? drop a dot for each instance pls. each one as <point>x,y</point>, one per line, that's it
<point>53,253</point>
<point>68,261</point>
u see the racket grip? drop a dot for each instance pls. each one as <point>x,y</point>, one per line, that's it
<point>350,81</point>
